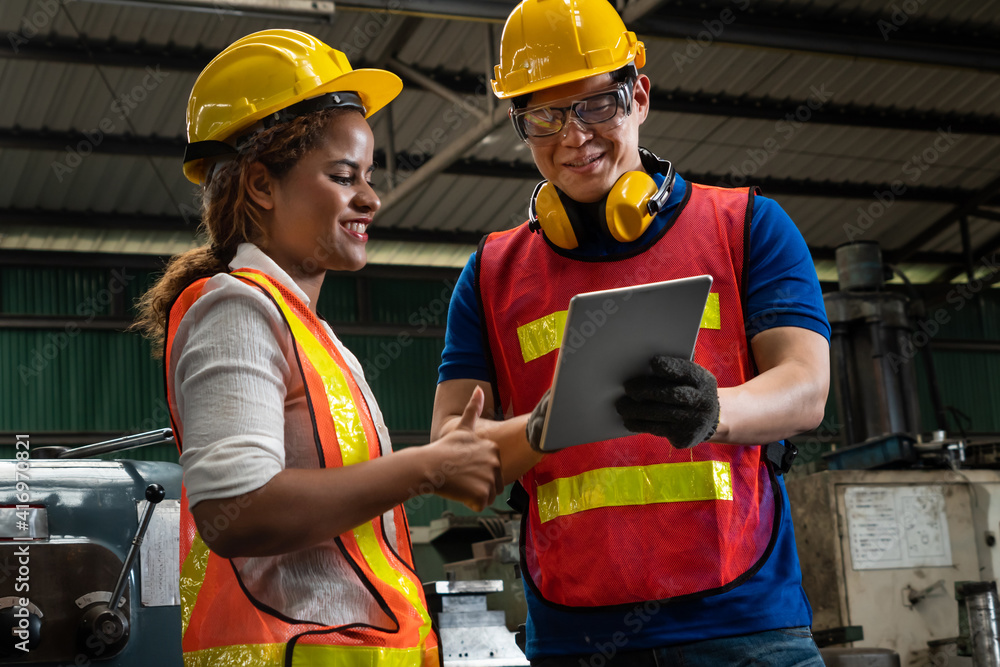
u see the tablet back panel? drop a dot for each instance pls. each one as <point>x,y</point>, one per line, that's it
<point>611,336</point>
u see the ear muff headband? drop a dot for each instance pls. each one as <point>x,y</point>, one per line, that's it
<point>632,203</point>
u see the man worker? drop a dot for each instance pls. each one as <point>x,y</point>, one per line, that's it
<point>673,545</point>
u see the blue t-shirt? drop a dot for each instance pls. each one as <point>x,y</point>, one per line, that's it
<point>782,291</point>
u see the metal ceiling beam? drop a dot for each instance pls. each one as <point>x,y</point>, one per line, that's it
<point>985,214</point>
<point>639,9</point>
<point>823,112</point>
<point>111,144</point>
<point>402,29</point>
<point>429,84</point>
<point>825,253</point>
<point>321,10</point>
<point>983,197</point>
<point>81,260</point>
<point>111,54</point>
<point>106,54</point>
<point>94,220</point>
<point>924,42</point>
<point>921,41</point>
<point>443,159</point>
<point>984,251</point>
<point>478,10</point>
<point>412,162</point>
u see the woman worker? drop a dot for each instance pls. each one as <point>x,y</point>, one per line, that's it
<point>301,554</point>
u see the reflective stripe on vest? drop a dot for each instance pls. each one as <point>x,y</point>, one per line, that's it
<point>306,655</point>
<point>637,485</point>
<point>353,448</point>
<point>348,436</point>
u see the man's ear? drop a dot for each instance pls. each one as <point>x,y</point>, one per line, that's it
<point>641,97</point>
<point>260,185</point>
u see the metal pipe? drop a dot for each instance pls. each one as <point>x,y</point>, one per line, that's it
<point>981,605</point>
<point>127,442</point>
<point>433,86</point>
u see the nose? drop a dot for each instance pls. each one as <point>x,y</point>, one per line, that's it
<point>575,132</point>
<point>367,199</point>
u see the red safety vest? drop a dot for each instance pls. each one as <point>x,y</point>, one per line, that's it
<point>222,623</point>
<point>629,520</point>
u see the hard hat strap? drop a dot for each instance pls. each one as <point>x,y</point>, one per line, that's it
<point>338,100</point>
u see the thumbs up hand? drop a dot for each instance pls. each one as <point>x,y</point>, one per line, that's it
<point>463,466</point>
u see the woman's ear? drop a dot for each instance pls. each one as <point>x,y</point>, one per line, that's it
<point>260,184</point>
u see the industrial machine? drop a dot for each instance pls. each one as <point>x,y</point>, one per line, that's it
<point>89,550</point>
<point>898,539</point>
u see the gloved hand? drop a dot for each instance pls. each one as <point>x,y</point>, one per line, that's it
<point>679,401</point>
<point>536,420</point>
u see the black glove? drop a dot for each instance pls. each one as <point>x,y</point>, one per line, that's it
<point>679,401</point>
<point>536,420</point>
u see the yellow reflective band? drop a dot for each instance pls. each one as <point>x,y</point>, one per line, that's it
<point>639,485</point>
<point>316,655</point>
<point>245,655</point>
<point>192,577</point>
<point>712,318</point>
<point>542,336</point>
<point>353,446</point>
<point>304,655</point>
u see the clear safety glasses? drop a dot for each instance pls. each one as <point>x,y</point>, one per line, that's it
<point>541,126</point>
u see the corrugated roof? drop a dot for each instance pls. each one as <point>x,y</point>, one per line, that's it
<point>51,94</point>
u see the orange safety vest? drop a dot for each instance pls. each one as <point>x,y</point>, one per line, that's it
<point>630,520</point>
<point>222,623</point>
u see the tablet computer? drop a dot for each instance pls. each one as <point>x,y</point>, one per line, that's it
<point>610,336</point>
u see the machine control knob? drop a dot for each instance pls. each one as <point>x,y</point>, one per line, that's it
<point>103,632</point>
<point>104,629</point>
<point>20,628</point>
<point>155,493</point>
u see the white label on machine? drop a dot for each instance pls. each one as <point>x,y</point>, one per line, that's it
<point>159,555</point>
<point>897,527</point>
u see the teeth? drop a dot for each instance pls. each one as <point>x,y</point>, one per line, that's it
<point>581,163</point>
<point>356,227</point>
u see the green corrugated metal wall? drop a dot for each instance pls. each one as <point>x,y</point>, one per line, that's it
<point>101,380</point>
<point>82,380</point>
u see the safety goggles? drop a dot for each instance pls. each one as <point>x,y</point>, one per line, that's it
<point>541,126</point>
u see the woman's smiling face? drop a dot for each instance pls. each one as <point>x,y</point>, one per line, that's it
<point>321,208</point>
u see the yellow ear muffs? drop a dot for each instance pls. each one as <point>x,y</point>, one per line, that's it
<point>629,208</point>
<point>550,215</point>
<point>627,213</point>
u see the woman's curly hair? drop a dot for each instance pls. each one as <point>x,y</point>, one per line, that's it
<point>229,216</point>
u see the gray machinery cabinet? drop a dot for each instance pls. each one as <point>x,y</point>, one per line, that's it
<point>883,550</point>
<point>64,553</point>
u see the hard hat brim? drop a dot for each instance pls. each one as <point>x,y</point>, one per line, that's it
<point>376,87</point>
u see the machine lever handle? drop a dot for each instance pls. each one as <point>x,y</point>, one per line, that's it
<point>154,494</point>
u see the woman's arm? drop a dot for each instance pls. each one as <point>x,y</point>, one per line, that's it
<point>299,508</point>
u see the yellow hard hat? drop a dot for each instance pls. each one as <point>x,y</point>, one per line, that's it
<point>264,73</point>
<point>546,43</point>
